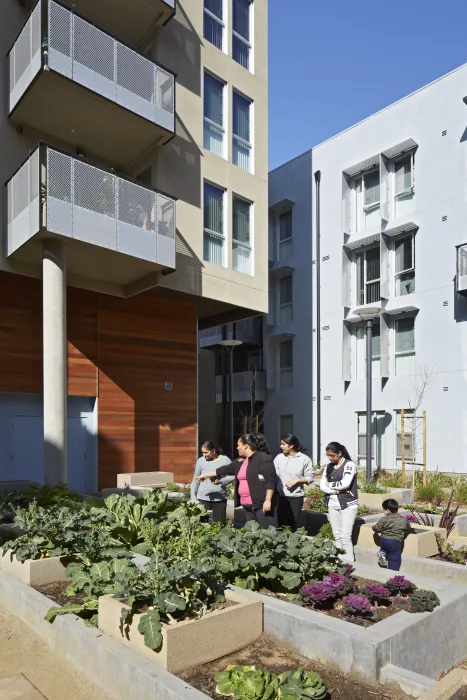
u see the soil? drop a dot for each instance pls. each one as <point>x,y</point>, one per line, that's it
<point>277,657</point>
<point>56,592</point>
<point>337,610</point>
<point>24,652</point>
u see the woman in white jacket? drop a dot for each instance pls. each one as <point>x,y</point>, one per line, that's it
<point>339,483</point>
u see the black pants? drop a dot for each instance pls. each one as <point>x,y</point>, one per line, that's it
<point>289,511</point>
<point>263,519</point>
<point>393,549</point>
<point>218,510</point>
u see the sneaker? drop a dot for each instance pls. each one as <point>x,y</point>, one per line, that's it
<point>382,559</point>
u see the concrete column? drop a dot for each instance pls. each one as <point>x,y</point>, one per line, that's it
<point>55,361</point>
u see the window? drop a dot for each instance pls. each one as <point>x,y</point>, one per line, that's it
<point>367,200</point>
<point>285,425</point>
<point>241,46</point>
<point>285,235</point>
<point>213,22</point>
<point>405,345</point>
<point>241,236</point>
<point>286,364</point>
<point>214,224</point>
<point>368,276</point>
<point>214,115</point>
<point>241,139</point>
<point>360,368</point>
<point>403,184</point>
<point>409,424</point>
<point>377,433</point>
<point>405,266</point>
<point>285,299</point>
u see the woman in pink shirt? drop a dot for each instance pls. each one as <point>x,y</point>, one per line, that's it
<point>255,479</point>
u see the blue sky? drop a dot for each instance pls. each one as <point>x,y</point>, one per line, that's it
<point>333,63</point>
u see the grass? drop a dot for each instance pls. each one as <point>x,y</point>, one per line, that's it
<point>431,493</point>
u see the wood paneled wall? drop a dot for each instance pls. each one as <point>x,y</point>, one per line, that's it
<point>123,352</point>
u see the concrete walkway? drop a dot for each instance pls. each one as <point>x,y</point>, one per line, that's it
<point>18,688</point>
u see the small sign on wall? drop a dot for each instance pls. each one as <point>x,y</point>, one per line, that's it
<point>168,386</point>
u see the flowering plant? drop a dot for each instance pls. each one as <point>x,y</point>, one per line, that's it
<point>376,592</point>
<point>401,585</point>
<point>358,605</point>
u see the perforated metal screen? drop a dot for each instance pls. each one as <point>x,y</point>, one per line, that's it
<point>25,57</point>
<point>462,261</point>
<point>23,194</point>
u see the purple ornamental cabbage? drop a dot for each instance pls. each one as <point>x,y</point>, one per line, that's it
<point>317,593</point>
<point>349,569</point>
<point>411,518</point>
<point>376,591</point>
<point>358,605</point>
<point>335,582</point>
<point>399,584</point>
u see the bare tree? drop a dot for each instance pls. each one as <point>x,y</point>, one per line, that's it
<point>253,417</point>
<point>420,388</point>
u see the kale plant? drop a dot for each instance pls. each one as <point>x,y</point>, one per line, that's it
<point>376,592</point>
<point>400,585</point>
<point>423,601</point>
<point>358,605</point>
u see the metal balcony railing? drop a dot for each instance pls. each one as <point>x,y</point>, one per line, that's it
<point>67,196</point>
<point>461,263</point>
<point>58,38</point>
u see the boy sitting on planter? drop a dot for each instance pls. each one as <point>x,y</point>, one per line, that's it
<point>393,529</point>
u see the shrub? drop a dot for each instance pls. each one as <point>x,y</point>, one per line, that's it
<point>326,532</point>
<point>363,510</point>
<point>372,487</point>
<point>358,605</point>
<point>376,592</point>
<point>460,493</point>
<point>431,493</point>
<point>171,487</point>
<point>400,585</point>
<point>423,601</point>
<point>456,555</point>
<point>393,480</point>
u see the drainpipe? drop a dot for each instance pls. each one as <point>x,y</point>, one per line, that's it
<point>318,314</point>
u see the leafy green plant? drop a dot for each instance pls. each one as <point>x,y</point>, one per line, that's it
<point>252,557</point>
<point>167,593</point>
<point>172,487</point>
<point>372,487</point>
<point>230,488</point>
<point>456,555</point>
<point>393,480</point>
<point>298,685</point>
<point>424,508</point>
<point>423,601</point>
<point>363,510</point>
<point>43,496</point>
<point>249,682</point>
<point>125,514</point>
<point>431,493</point>
<point>326,532</point>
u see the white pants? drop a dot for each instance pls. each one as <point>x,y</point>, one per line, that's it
<point>342,522</point>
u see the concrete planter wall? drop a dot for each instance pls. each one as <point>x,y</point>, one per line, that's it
<point>144,479</point>
<point>191,642</point>
<point>35,572</point>
<point>375,500</point>
<point>422,544</point>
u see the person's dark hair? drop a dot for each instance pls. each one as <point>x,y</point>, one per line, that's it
<point>335,447</point>
<point>212,446</point>
<point>256,441</point>
<point>293,441</point>
<point>391,505</point>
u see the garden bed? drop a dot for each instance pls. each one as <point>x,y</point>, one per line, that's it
<point>375,500</point>
<point>35,572</point>
<point>189,641</point>
<point>421,544</point>
<point>277,657</point>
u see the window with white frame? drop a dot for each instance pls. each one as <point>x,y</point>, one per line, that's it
<point>367,200</point>
<point>410,422</point>
<point>214,237</point>
<point>286,364</point>
<point>214,22</point>
<point>404,345</point>
<point>359,370</point>
<point>285,235</point>
<point>214,131</point>
<point>403,184</point>
<point>405,266</point>
<point>285,299</point>
<point>378,421</point>
<point>241,32</point>
<point>285,425</point>
<point>241,131</point>
<point>241,236</point>
<point>368,276</point>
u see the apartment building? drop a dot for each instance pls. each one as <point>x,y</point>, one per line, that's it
<point>393,203</point>
<point>134,157</point>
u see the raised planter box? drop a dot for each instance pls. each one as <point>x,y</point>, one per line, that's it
<point>375,500</point>
<point>152,479</point>
<point>6,486</point>
<point>35,572</point>
<point>193,642</point>
<point>421,544</point>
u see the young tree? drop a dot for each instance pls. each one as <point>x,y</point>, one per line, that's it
<point>420,387</point>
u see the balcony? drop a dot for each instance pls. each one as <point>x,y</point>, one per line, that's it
<point>116,230</point>
<point>461,277</point>
<point>249,331</point>
<point>78,84</point>
<point>128,20</point>
<point>246,385</point>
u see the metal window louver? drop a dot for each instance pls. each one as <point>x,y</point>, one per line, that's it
<point>399,230</point>
<point>88,56</point>
<point>403,147</point>
<point>363,242</point>
<point>363,165</point>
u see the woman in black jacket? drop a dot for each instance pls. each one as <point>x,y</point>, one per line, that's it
<point>255,479</point>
